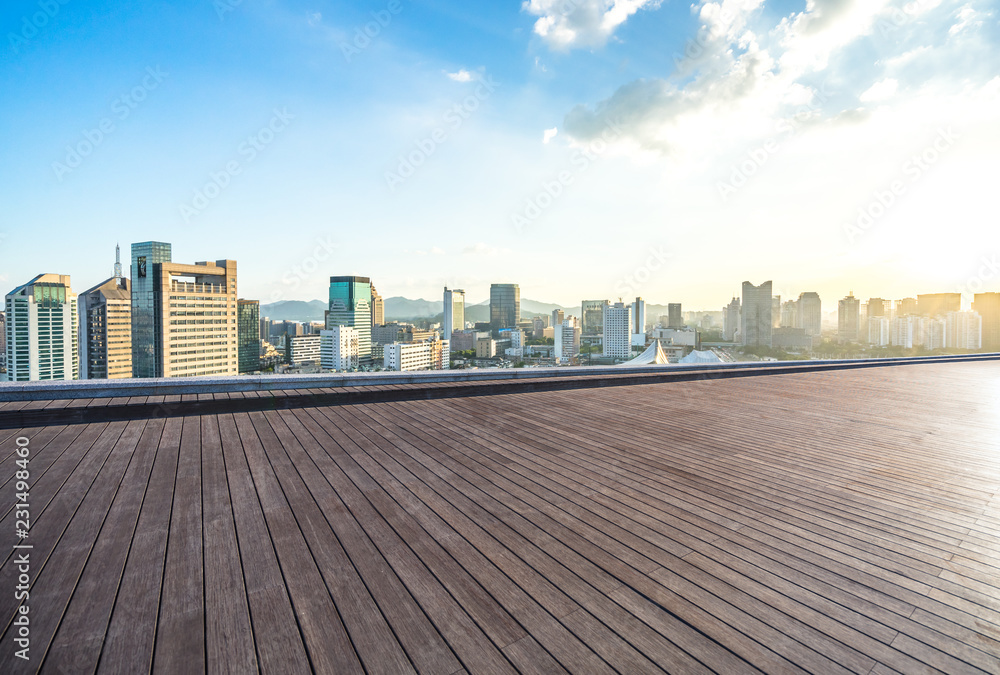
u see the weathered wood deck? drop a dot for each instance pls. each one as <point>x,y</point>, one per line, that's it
<point>825,522</point>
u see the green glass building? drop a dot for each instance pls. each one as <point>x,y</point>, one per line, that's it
<point>147,341</point>
<point>351,305</point>
<point>248,334</point>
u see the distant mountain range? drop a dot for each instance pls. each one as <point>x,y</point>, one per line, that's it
<point>399,308</point>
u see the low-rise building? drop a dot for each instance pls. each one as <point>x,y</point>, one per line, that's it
<point>339,348</point>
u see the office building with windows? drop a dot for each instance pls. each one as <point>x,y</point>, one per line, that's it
<point>454,312</point>
<point>147,345</point>
<point>42,330</point>
<point>987,306</point>
<point>849,319</point>
<point>567,340</point>
<point>592,317</point>
<point>963,330</point>
<point>810,313</point>
<point>248,335</point>
<point>755,315</point>
<point>338,348</point>
<point>505,307</point>
<point>617,331</point>
<point>350,305</point>
<point>105,313</point>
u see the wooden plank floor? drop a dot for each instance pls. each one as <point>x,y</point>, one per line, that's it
<point>826,522</point>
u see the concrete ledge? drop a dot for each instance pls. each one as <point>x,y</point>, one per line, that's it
<point>91,389</point>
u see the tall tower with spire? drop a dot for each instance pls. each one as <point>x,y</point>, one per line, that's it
<point>118,262</point>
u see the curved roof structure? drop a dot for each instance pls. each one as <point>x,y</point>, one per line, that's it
<point>653,356</point>
<point>705,356</point>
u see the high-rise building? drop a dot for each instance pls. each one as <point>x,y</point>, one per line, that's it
<point>105,313</point>
<point>592,316</point>
<point>731,320</point>
<point>776,311</point>
<point>3,339</point>
<point>248,335</point>
<point>849,318</point>
<point>617,330</point>
<point>350,305</point>
<point>505,306</point>
<point>987,305</point>
<point>567,340</point>
<point>118,262</point>
<point>939,304</point>
<point>538,326</point>
<point>878,331</point>
<point>789,314</point>
<point>146,339</point>
<point>675,317</point>
<point>906,307</point>
<point>338,348</point>
<point>810,314</point>
<point>903,331</point>
<point>935,332</point>
<point>639,322</point>
<point>378,308</point>
<point>964,330</point>
<point>454,312</point>
<point>188,324</point>
<point>755,315</point>
<point>42,330</point>
<point>558,316</point>
<point>878,307</point>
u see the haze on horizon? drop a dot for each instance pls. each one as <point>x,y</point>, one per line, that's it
<point>559,145</point>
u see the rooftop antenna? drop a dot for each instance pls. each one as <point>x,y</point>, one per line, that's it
<point>118,262</point>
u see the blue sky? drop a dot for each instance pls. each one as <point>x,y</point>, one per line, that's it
<point>581,148</point>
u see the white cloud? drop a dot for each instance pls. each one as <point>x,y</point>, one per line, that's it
<point>880,91</point>
<point>549,134</point>
<point>460,76</point>
<point>315,19</point>
<point>566,24</point>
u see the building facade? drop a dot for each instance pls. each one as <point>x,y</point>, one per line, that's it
<point>105,313</point>
<point>939,304</point>
<point>639,322</point>
<point>592,316</point>
<point>675,315</point>
<point>403,356</point>
<point>147,337</point>
<point>304,349</point>
<point>987,306</point>
<point>617,330</point>
<point>964,330</point>
<point>248,335</point>
<point>878,332</point>
<point>192,329</point>
<point>755,315</point>
<point>350,305</point>
<point>567,340</point>
<point>378,308</point>
<point>42,330</point>
<point>731,320</point>
<point>810,314</point>
<point>849,318</point>
<point>454,312</point>
<point>505,306</point>
<point>338,348</point>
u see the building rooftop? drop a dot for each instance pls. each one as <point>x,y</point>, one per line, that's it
<point>819,520</point>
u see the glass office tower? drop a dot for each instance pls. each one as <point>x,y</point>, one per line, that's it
<point>505,307</point>
<point>351,305</point>
<point>146,339</point>
<point>248,332</point>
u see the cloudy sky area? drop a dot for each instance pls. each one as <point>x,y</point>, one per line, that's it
<point>581,148</point>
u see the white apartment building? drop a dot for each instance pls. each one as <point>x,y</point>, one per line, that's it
<point>305,349</point>
<point>516,336</point>
<point>964,330</point>
<point>338,348</point>
<point>42,330</point>
<point>617,320</point>
<point>878,333</point>
<point>430,355</point>
<point>567,340</point>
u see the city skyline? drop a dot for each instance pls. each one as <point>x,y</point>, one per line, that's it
<point>818,146</point>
